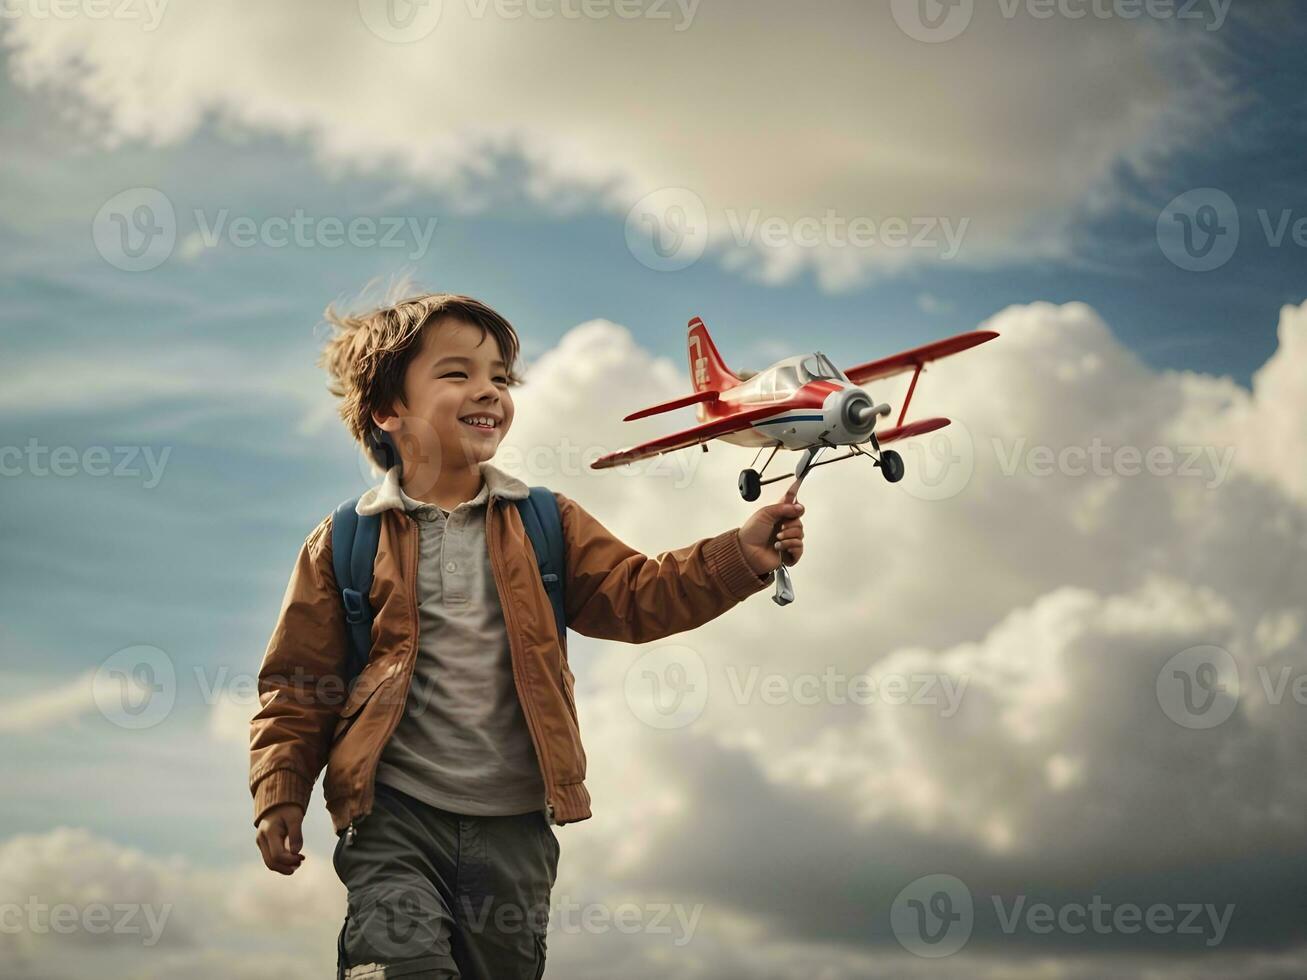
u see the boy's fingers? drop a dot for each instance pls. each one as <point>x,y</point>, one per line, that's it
<point>276,847</point>
<point>278,857</point>
<point>274,857</point>
<point>263,849</point>
<point>296,840</point>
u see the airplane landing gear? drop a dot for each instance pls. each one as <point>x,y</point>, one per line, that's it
<point>891,465</point>
<point>750,484</point>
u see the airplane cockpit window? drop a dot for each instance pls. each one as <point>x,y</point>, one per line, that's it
<point>834,371</point>
<point>817,367</point>
<point>785,381</point>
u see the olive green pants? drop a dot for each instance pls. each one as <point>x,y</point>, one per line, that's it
<point>444,895</point>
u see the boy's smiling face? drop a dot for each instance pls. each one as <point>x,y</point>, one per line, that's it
<point>458,375</point>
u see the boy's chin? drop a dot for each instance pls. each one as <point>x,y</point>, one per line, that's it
<point>479,450</point>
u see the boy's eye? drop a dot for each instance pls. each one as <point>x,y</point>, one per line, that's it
<point>498,379</point>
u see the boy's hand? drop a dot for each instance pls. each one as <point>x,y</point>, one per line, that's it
<point>772,529</point>
<point>280,839</point>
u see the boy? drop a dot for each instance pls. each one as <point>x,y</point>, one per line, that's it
<point>455,752</point>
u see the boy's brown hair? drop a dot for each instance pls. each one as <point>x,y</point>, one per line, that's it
<point>368,354</point>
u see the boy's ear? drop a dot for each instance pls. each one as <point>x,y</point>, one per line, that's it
<point>385,419</point>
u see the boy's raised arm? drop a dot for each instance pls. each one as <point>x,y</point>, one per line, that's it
<point>616,593</point>
<point>301,689</point>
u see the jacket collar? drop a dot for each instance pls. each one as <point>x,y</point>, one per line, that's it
<point>387,494</point>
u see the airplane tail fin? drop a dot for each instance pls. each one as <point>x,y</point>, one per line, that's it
<point>708,372</point>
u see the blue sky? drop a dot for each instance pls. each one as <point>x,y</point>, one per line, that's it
<point>209,356</point>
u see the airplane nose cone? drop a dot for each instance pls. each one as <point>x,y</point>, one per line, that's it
<point>857,415</point>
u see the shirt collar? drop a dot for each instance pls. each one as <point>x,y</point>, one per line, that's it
<point>387,494</point>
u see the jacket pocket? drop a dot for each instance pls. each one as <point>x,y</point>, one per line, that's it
<point>369,682</point>
<point>569,694</point>
<point>569,698</point>
<point>359,720</point>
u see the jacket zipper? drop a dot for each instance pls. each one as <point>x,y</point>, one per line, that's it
<point>370,787</point>
<point>527,705</point>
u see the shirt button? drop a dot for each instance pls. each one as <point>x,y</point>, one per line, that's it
<point>450,567</point>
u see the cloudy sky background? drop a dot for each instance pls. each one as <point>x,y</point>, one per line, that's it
<point>525,158</point>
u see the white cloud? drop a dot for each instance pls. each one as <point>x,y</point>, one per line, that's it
<point>163,916</point>
<point>48,705</point>
<point>1270,427</point>
<point>760,109</point>
<point>43,704</point>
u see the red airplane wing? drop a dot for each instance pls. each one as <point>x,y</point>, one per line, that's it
<point>675,403</point>
<point>690,437</point>
<point>910,360</point>
<point>917,428</point>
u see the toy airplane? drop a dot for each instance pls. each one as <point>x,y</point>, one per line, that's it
<point>802,403</point>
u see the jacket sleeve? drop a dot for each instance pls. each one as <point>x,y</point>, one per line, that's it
<point>301,688</point>
<point>616,593</point>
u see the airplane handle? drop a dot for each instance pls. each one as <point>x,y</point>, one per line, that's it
<point>784,594</point>
<point>784,587</point>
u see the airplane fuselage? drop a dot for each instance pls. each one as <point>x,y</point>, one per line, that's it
<point>814,406</point>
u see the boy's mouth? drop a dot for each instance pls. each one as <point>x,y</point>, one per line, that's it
<point>482,423</point>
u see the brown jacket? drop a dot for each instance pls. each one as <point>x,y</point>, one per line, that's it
<point>307,719</point>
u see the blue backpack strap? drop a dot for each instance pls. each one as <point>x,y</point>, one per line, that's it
<point>354,541</point>
<point>544,526</point>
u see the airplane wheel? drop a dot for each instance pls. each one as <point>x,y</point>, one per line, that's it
<point>750,484</point>
<point>891,466</point>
